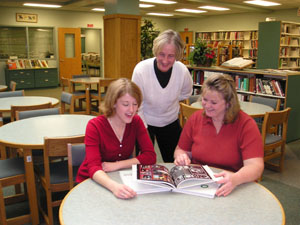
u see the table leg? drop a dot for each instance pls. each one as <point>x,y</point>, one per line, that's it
<point>31,188</point>
<point>88,99</point>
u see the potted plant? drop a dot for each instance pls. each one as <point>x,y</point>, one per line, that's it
<point>148,34</point>
<point>202,55</point>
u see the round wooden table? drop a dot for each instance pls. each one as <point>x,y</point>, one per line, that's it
<point>6,103</point>
<point>90,203</point>
<point>251,108</point>
<point>29,134</point>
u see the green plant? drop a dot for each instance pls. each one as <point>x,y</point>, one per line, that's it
<point>202,54</point>
<point>148,34</point>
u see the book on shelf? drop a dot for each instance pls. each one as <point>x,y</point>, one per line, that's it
<point>237,63</point>
<point>193,179</point>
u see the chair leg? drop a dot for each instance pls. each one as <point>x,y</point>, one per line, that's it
<point>2,207</point>
<point>49,207</point>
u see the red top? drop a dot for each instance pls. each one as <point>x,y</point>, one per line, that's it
<point>234,143</point>
<point>102,145</point>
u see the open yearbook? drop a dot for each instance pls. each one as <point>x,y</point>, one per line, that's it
<point>194,179</point>
<point>237,63</point>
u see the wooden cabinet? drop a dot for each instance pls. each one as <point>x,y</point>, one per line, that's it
<point>279,45</point>
<point>122,44</point>
<point>32,78</point>
<point>252,81</point>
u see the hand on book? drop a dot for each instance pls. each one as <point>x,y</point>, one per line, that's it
<point>181,158</point>
<point>123,191</point>
<point>227,183</point>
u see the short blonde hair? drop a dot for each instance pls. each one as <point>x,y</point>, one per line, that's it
<point>116,90</point>
<point>168,37</point>
<point>224,85</point>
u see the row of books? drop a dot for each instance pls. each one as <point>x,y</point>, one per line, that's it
<point>290,29</point>
<point>251,44</point>
<point>252,84</point>
<point>289,52</point>
<point>229,35</point>
<point>257,85</point>
<point>292,41</point>
<point>289,63</point>
<point>249,53</point>
<point>26,63</point>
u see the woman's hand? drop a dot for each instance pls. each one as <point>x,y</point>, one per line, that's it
<point>228,183</point>
<point>182,159</point>
<point>122,191</point>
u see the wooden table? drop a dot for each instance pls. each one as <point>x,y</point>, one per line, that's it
<point>251,108</point>
<point>6,103</point>
<point>3,87</point>
<point>90,203</point>
<point>87,82</point>
<point>29,134</point>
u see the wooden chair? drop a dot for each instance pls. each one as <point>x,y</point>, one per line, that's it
<point>272,102</point>
<point>53,176</point>
<point>15,108</point>
<point>99,94</point>
<point>7,94</point>
<point>76,155</point>
<point>38,112</point>
<point>80,95</point>
<point>12,172</point>
<point>12,86</point>
<point>65,84</point>
<point>274,132</point>
<point>185,112</point>
<point>67,99</point>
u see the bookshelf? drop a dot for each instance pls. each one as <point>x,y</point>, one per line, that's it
<point>279,45</point>
<point>277,84</point>
<point>245,41</point>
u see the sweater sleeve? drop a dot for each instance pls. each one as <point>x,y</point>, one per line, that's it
<point>147,155</point>
<point>187,87</point>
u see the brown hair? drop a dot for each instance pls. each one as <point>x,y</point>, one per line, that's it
<point>225,85</point>
<point>168,37</point>
<point>116,90</point>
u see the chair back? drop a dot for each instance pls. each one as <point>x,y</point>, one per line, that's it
<point>38,112</point>
<point>12,85</point>
<point>275,124</point>
<point>7,94</point>
<point>15,108</point>
<point>272,102</point>
<point>67,99</point>
<point>274,132</point>
<point>65,84</point>
<point>185,112</point>
<point>80,76</point>
<point>76,155</point>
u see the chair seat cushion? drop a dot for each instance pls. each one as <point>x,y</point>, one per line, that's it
<point>58,172</point>
<point>271,138</point>
<point>11,167</point>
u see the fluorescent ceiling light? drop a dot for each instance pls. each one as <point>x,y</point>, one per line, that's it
<point>159,1</point>
<point>42,5</point>
<point>262,3</point>
<point>190,10</point>
<point>145,6</point>
<point>213,8</point>
<point>98,9</point>
<point>159,14</point>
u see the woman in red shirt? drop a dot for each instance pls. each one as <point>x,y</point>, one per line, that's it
<point>223,136</point>
<point>110,138</point>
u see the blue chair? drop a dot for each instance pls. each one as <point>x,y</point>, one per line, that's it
<point>38,112</point>
<point>7,94</point>
<point>76,155</point>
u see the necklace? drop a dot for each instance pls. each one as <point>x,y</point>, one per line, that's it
<point>118,131</point>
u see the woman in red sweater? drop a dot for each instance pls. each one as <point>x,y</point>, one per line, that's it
<point>110,138</point>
